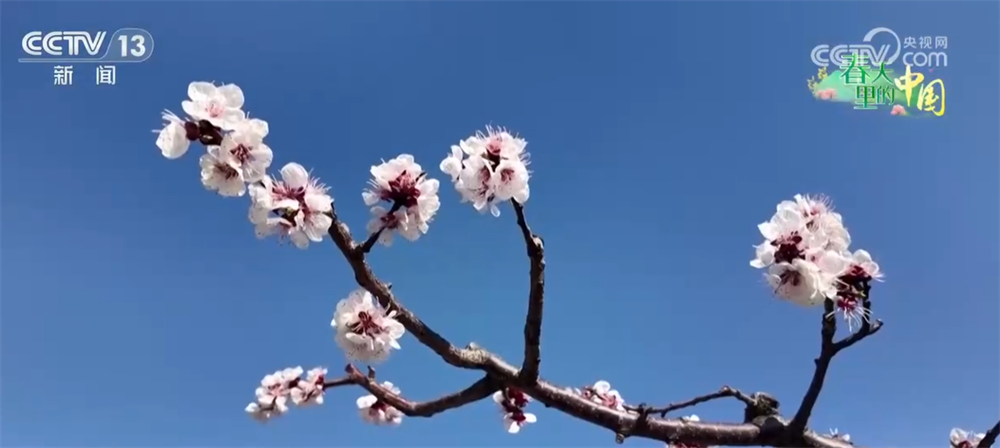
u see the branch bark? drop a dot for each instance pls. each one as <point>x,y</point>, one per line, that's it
<point>536,298</point>
<point>345,381</point>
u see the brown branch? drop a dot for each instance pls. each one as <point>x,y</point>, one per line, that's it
<point>673,431</point>
<point>367,246</point>
<point>475,392</point>
<point>724,392</point>
<point>829,349</point>
<point>991,437</point>
<point>536,298</point>
<point>345,381</point>
<point>768,433</point>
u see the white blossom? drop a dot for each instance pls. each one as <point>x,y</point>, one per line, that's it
<point>602,393</point>
<point>263,413</point>
<point>309,391</point>
<point>296,207</point>
<point>272,395</point>
<point>861,264</point>
<point>494,171</point>
<point>964,439</point>
<point>172,139</point>
<point>800,282</point>
<point>452,163</point>
<point>835,434</point>
<point>402,182</point>
<point>290,374</point>
<point>512,403</point>
<point>220,172</point>
<point>364,330</point>
<point>396,222</point>
<point>246,148</point>
<point>805,252</point>
<point>798,227</point>
<point>377,412</point>
<point>821,220</point>
<point>219,105</point>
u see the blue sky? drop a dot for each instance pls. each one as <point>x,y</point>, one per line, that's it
<point>139,310</point>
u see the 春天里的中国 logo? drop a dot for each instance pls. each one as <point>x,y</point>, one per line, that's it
<point>864,76</point>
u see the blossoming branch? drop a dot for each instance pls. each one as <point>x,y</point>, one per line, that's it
<point>805,257</point>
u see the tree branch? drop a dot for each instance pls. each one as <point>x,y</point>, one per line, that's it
<point>991,437</point>
<point>536,299</point>
<point>475,392</point>
<point>829,349</point>
<point>767,433</point>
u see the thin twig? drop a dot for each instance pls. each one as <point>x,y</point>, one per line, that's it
<point>828,349</point>
<point>536,298</point>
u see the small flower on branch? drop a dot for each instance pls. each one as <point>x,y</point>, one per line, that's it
<point>602,393</point>
<point>414,198</point>
<point>272,394</point>
<point>309,391</point>
<point>961,438</point>
<point>495,169</point>
<point>378,412</point>
<point>364,330</point>
<point>512,403</point>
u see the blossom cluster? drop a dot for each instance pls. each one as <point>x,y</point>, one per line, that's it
<point>489,168</point>
<point>236,160</point>
<point>512,403</point>
<point>805,252</point>
<point>960,438</point>
<point>276,389</point>
<point>364,330</point>
<point>412,196</point>
<point>602,394</point>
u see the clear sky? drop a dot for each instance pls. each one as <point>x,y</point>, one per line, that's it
<point>139,310</point>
